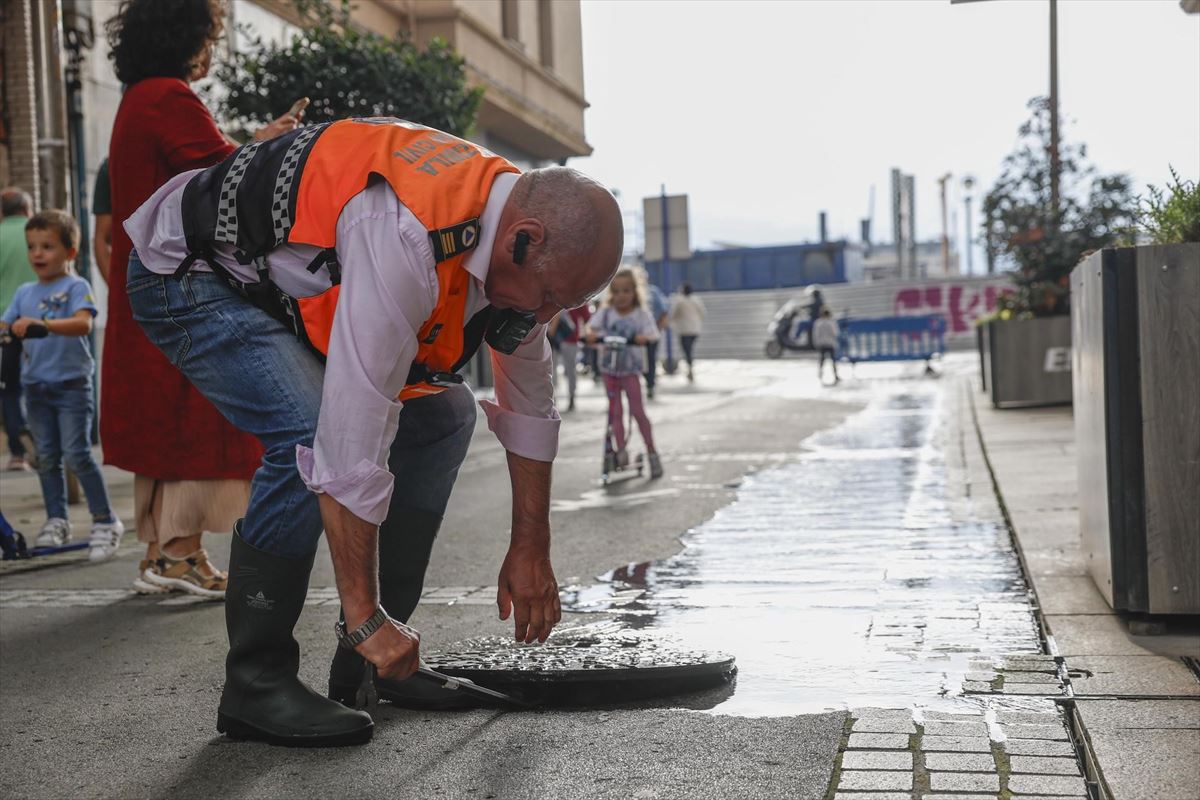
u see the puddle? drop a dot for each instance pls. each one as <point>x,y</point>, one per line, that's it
<point>842,579</point>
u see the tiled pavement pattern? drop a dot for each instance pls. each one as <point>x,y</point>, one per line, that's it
<point>64,598</point>
<point>1004,737</point>
<point>992,754</point>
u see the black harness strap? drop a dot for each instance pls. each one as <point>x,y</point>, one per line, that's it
<point>264,294</point>
<point>327,257</point>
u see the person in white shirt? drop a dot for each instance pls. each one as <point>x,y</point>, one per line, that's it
<point>335,434</point>
<point>687,318</point>
<point>825,334</point>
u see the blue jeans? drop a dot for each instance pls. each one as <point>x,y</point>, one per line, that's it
<point>265,382</point>
<point>60,420</point>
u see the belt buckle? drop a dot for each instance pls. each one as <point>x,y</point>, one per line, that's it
<point>444,379</point>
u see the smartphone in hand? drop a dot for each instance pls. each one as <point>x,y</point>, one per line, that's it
<point>298,107</point>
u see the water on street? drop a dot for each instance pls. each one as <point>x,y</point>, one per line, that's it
<point>860,573</point>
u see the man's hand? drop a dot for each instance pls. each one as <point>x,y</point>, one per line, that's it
<point>394,649</point>
<point>529,591</point>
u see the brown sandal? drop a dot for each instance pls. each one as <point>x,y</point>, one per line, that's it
<point>187,575</point>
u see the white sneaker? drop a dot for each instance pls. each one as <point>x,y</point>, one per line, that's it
<point>106,538</point>
<point>55,533</point>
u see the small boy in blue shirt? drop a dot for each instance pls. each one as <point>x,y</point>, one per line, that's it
<point>56,376</point>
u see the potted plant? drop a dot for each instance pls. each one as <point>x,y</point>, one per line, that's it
<point>1025,344</point>
<point>1136,326</point>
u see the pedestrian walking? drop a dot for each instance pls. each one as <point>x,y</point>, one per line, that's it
<point>56,377</point>
<point>16,207</point>
<point>660,310</point>
<point>687,320</point>
<point>564,331</point>
<point>825,336</point>
<point>623,316</point>
<point>363,415</point>
<point>191,467</point>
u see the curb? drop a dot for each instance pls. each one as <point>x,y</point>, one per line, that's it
<point>1094,777</point>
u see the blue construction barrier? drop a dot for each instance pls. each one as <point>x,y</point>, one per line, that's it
<point>892,338</point>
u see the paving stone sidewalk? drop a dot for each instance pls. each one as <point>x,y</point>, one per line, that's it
<point>1001,734</point>
<point>1135,699</point>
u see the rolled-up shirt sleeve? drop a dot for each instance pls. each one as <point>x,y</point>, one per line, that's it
<point>388,289</point>
<point>523,416</point>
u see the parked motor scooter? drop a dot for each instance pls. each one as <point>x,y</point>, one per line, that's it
<point>789,330</point>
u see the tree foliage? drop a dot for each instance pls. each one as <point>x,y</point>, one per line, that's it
<point>346,72</point>
<point>1024,229</point>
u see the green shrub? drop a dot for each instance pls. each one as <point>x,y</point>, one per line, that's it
<point>1171,218</point>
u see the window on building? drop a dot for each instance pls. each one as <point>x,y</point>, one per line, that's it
<point>509,19</point>
<point>546,32</point>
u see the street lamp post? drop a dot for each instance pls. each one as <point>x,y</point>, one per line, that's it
<point>945,234</point>
<point>968,182</point>
<point>1054,167</point>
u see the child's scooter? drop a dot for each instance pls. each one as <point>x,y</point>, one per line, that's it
<point>614,350</point>
<point>12,543</point>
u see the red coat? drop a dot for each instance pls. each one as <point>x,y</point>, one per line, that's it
<point>152,421</point>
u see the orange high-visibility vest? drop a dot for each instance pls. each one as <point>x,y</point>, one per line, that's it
<point>292,189</point>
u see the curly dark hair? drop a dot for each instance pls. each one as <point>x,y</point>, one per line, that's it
<point>162,38</point>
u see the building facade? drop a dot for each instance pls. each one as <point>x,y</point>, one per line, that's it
<point>525,54</point>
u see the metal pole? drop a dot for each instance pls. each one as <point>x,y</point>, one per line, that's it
<point>1054,165</point>
<point>78,36</point>
<point>945,233</point>
<point>970,266</point>
<point>666,243</point>
<point>968,183</point>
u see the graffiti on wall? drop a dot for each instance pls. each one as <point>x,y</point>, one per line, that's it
<point>960,304</point>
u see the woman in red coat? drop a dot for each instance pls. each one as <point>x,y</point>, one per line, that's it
<point>192,468</point>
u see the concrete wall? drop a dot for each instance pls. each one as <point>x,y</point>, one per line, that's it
<point>736,325</point>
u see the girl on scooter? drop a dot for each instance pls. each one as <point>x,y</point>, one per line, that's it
<point>623,316</point>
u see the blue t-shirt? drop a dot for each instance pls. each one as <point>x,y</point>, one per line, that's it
<point>54,358</point>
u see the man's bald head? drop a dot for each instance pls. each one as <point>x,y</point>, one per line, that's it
<point>15,202</point>
<point>584,234</point>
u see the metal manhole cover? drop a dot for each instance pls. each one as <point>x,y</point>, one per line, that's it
<point>588,665</point>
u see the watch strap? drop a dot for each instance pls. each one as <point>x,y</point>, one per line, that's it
<point>362,632</point>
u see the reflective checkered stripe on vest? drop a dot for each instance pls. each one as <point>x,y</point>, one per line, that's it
<point>291,189</point>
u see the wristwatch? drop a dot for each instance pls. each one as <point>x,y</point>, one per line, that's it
<point>362,632</point>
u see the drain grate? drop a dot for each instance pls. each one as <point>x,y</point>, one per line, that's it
<point>586,665</point>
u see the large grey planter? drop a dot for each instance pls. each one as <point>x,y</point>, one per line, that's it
<point>1136,318</point>
<point>1027,362</point>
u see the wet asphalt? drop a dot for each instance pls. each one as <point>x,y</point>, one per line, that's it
<point>108,695</point>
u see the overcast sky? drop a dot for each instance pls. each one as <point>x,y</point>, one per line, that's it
<point>765,113</point>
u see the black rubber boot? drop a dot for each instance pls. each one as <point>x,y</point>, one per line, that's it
<point>264,698</point>
<point>405,544</point>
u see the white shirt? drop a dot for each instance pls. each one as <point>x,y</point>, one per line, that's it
<point>687,314</point>
<point>389,288</point>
